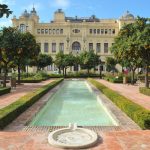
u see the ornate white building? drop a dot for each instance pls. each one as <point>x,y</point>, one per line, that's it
<point>72,34</point>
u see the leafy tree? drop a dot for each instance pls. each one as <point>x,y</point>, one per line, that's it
<point>7,49</point>
<point>143,41</point>
<point>68,61</point>
<point>41,61</point>
<point>125,49</point>
<point>110,64</point>
<point>59,61</point>
<point>25,48</point>
<point>88,60</point>
<point>4,10</point>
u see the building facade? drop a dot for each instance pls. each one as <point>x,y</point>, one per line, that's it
<point>72,34</point>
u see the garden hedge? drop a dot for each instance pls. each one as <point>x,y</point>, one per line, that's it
<point>145,91</point>
<point>4,90</point>
<point>9,113</point>
<point>137,113</point>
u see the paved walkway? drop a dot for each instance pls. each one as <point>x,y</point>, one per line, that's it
<point>20,91</point>
<point>131,140</point>
<point>129,91</point>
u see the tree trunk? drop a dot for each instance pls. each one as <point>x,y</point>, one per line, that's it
<point>146,77</point>
<point>88,72</point>
<point>59,70</point>
<point>100,72</point>
<point>27,71</point>
<point>133,73</point>
<point>5,76</point>
<point>65,72</point>
<point>19,74</point>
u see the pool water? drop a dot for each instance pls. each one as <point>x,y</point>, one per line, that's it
<point>74,102</point>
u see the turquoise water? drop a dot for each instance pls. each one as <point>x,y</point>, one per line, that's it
<point>74,102</point>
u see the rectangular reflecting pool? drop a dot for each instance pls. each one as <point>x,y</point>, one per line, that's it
<point>74,102</point>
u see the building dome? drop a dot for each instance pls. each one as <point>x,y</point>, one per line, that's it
<point>33,11</point>
<point>127,15</point>
<point>25,14</point>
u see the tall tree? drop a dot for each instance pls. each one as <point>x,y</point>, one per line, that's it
<point>125,49</point>
<point>41,61</point>
<point>7,49</point>
<point>110,64</point>
<point>25,48</point>
<point>59,61</point>
<point>143,42</point>
<point>4,10</point>
<point>89,60</point>
<point>68,61</point>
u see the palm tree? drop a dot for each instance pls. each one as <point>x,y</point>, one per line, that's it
<point>4,10</point>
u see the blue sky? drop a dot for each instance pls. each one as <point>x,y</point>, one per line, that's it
<point>81,8</point>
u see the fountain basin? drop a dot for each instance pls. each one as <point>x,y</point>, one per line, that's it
<point>72,138</point>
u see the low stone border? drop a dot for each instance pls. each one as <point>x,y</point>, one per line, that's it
<point>124,122</point>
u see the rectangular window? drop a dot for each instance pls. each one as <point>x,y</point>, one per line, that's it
<point>94,31</point>
<point>46,31</point>
<point>46,47</point>
<point>109,31</point>
<point>98,31</point>
<point>91,31</point>
<point>90,46</point>
<point>49,68</point>
<point>98,47</point>
<point>106,31</point>
<point>102,31</point>
<point>53,47</point>
<point>113,31</point>
<point>50,31</point>
<point>61,47</point>
<point>42,31</point>
<point>105,47</point>
<point>38,31</point>
<point>57,31</point>
<point>61,31</point>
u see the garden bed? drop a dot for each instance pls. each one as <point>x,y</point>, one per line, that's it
<point>137,113</point>
<point>4,90</point>
<point>9,113</point>
<point>145,91</point>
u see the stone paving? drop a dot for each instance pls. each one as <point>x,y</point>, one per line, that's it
<point>129,140</point>
<point>20,91</point>
<point>129,91</point>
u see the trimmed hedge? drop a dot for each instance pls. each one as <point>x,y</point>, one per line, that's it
<point>114,80</point>
<point>137,113</point>
<point>4,90</point>
<point>145,91</point>
<point>9,113</point>
<point>31,81</point>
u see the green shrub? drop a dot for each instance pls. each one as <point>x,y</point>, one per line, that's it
<point>4,90</point>
<point>9,113</point>
<point>145,91</point>
<point>137,113</point>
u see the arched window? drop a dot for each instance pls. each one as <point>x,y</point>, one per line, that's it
<point>22,28</point>
<point>76,46</point>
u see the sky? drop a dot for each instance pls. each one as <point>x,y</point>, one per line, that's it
<point>81,8</point>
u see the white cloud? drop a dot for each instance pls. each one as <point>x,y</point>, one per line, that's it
<point>60,3</point>
<point>8,2</point>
